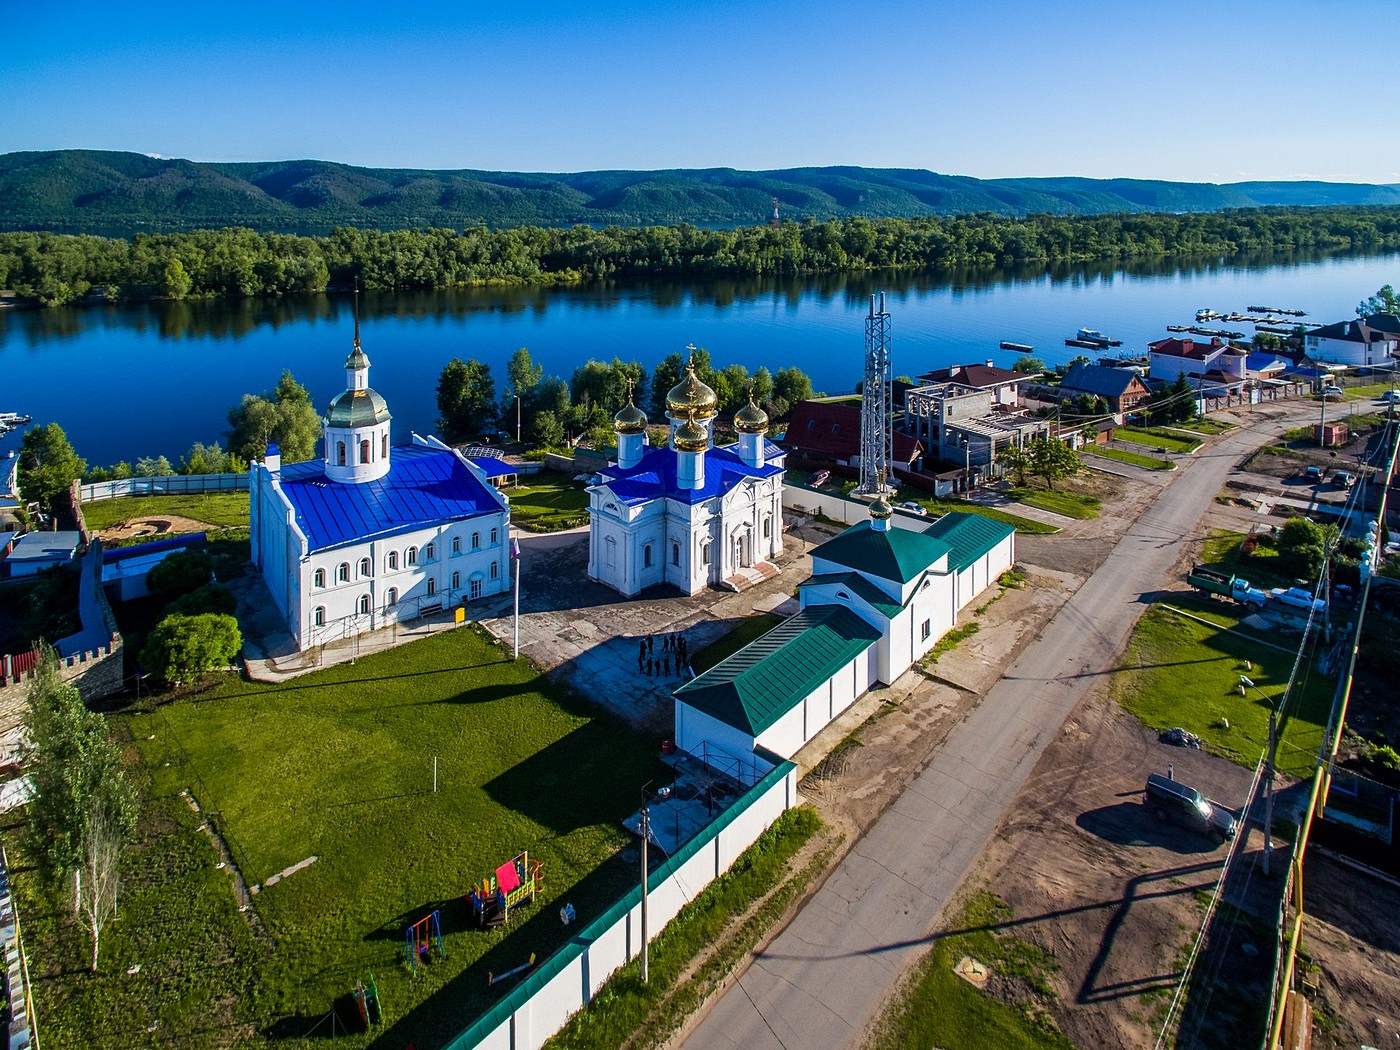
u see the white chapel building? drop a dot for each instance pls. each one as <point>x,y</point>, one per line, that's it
<point>690,514</point>
<point>373,533</point>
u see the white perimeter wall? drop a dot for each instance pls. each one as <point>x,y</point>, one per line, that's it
<point>568,980</point>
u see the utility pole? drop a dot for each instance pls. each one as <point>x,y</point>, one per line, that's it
<point>1268,773</point>
<point>646,832</point>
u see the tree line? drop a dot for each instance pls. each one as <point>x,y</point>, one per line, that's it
<point>237,263</point>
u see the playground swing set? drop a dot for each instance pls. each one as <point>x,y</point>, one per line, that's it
<point>515,882</point>
<point>366,995</point>
<point>419,939</point>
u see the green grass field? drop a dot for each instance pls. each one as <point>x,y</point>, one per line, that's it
<point>1178,672</point>
<point>1159,437</point>
<point>1132,458</point>
<point>339,765</point>
<point>1057,501</point>
<point>1204,426</point>
<point>224,510</point>
<point>550,503</point>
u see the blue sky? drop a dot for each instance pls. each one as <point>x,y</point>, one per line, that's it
<point>1217,91</point>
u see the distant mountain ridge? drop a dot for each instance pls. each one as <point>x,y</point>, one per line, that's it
<point>91,190</point>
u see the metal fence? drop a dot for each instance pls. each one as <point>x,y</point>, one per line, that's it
<point>164,485</point>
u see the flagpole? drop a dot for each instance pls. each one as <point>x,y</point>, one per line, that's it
<point>515,557</point>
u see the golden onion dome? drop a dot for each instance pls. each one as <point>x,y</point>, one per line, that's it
<point>691,395</point>
<point>630,419</point>
<point>690,436</point>
<point>880,510</point>
<point>751,419</point>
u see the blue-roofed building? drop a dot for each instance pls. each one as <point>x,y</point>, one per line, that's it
<point>689,515</point>
<point>373,533</point>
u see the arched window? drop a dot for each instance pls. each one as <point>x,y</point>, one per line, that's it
<point>342,572</point>
<point>429,551</point>
<point>318,616</point>
<point>456,581</point>
<point>432,586</point>
<point>495,570</point>
<point>364,604</point>
<point>476,541</point>
<point>393,560</point>
<point>705,553</point>
<point>366,569</point>
<point>767,527</point>
<point>410,556</point>
<point>456,544</point>
<point>675,554</point>
<point>364,450</point>
<point>495,537</point>
<point>318,578</point>
<point>646,556</point>
<point>340,453</point>
<point>391,597</point>
<point>384,446</point>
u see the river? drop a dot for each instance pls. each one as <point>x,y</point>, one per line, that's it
<point>127,381</point>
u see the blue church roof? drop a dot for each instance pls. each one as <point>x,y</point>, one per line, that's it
<point>655,476</point>
<point>424,485</point>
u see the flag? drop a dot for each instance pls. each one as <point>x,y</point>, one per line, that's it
<point>514,548</point>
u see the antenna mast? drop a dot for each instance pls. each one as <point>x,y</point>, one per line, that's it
<point>876,440</point>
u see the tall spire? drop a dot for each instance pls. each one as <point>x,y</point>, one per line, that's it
<point>357,313</point>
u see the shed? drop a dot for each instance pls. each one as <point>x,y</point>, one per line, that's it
<point>34,552</point>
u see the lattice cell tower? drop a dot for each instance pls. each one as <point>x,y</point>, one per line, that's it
<point>875,413</point>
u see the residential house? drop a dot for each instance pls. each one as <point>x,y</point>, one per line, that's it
<point>1356,344</point>
<point>964,426</point>
<point>1122,388</point>
<point>1214,368</point>
<point>1003,384</point>
<point>829,432</point>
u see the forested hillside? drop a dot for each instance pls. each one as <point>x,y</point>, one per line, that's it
<point>84,191</point>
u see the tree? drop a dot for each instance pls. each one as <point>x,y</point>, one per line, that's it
<point>1385,301</point>
<point>146,467</point>
<point>181,647</point>
<point>210,459</point>
<point>547,431</point>
<point>1015,459</point>
<point>84,808</point>
<point>466,400</point>
<point>284,417</point>
<point>180,573</point>
<point>47,464</point>
<point>524,377</point>
<point>790,386</point>
<point>1052,460</point>
<point>210,598</point>
<point>1302,547</point>
<point>1028,365</point>
<point>175,281</point>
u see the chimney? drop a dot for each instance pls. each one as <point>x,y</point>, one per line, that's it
<point>989,362</point>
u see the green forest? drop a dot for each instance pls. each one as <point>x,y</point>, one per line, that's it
<point>54,269</point>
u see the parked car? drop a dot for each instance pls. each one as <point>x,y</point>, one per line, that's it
<point>821,477</point>
<point>1390,395</point>
<point>1298,597</point>
<point>1333,393</point>
<point>1344,479</point>
<point>913,508</point>
<point>1313,474</point>
<point>1171,800</point>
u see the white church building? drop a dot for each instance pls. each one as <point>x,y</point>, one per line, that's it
<point>691,514</point>
<point>373,533</point>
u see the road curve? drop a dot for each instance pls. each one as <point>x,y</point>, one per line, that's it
<point>819,983</point>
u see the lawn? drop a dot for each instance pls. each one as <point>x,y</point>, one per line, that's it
<point>1178,672</point>
<point>1159,437</point>
<point>1208,427</point>
<point>1221,551</point>
<point>1057,501</point>
<point>224,510</point>
<point>553,501</point>
<point>940,1009</point>
<point>339,765</point>
<point>1121,456</point>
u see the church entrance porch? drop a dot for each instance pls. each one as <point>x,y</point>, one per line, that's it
<point>748,576</point>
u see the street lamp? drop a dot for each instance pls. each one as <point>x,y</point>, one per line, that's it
<point>1268,771</point>
<point>967,465</point>
<point>517,419</point>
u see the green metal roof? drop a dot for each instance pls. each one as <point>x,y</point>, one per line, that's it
<point>760,683</point>
<point>891,554</point>
<point>968,536</point>
<point>859,586</point>
<point>357,408</point>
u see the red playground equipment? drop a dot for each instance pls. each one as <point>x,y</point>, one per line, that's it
<point>515,882</point>
<point>367,1002</point>
<point>418,941</point>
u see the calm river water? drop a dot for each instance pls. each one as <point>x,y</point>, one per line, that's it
<point>131,381</point>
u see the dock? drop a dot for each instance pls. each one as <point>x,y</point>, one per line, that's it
<point>1020,348</point>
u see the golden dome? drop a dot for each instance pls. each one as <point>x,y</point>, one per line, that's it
<point>751,419</point>
<point>690,436</point>
<point>630,419</point>
<point>880,510</point>
<point>691,394</point>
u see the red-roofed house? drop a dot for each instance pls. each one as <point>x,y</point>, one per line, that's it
<point>1004,384</point>
<point>830,432</point>
<point>1216,362</point>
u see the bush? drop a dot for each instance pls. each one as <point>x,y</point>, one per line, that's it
<point>182,647</point>
<point>180,573</point>
<point>211,598</point>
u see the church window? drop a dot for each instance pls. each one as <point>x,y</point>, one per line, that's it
<point>318,616</point>
<point>767,527</point>
<point>456,581</point>
<point>675,554</point>
<point>364,451</point>
<point>432,586</point>
<point>318,578</point>
<point>364,605</point>
<point>410,556</point>
<point>925,630</point>
<point>340,453</point>
<point>705,553</point>
<point>495,537</point>
<point>476,541</point>
<point>495,570</point>
<point>391,597</point>
<point>384,446</point>
<point>646,556</point>
<point>475,588</point>
<point>365,568</point>
<point>393,560</point>
<point>456,544</point>
<point>429,551</point>
<point>342,572</point>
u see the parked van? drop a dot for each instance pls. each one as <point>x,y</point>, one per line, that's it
<point>1171,800</point>
<point>820,478</point>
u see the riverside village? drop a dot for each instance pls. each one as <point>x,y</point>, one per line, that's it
<point>1021,701</point>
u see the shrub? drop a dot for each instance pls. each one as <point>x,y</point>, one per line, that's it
<point>211,598</point>
<point>180,573</point>
<point>182,647</point>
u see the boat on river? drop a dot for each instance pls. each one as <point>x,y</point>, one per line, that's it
<point>1020,348</point>
<point>1093,337</point>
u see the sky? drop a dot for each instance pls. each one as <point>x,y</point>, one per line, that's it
<point>1193,90</point>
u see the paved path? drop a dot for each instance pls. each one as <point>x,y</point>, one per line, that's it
<point>819,983</point>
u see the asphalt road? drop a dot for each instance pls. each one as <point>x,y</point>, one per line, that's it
<point>820,982</point>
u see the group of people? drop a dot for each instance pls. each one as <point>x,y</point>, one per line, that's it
<point>675,652</point>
